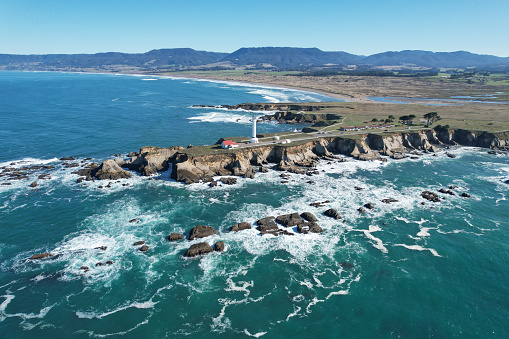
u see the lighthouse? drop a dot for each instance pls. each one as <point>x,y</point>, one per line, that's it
<point>254,139</point>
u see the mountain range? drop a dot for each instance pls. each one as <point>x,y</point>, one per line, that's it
<point>258,58</point>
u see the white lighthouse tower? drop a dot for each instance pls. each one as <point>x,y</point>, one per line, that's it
<point>254,139</point>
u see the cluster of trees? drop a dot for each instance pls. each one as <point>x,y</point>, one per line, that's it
<point>430,117</point>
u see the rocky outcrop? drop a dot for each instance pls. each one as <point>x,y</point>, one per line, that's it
<point>40,256</point>
<point>175,237</point>
<point>241,226</point>
<point>110,170</point>
<point>290,220</point>
<point>201,231</point>
<point>187,167</point>
<point>430,196</point>
<point>331,212</point>
<point>198,249</point>
<point>308,216</point>
<point>219,246</point>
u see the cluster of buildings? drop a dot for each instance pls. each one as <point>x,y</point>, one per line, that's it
<point>358,128</point>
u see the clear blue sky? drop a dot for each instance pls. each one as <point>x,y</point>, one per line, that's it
<point>355,26</point>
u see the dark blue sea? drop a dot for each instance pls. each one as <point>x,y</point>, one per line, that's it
<point>401,270</point>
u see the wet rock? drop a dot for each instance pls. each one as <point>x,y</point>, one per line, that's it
<point>369,206</point>
<point>310,182</point>
<point>361,210</point>
<point>446,191</point>
<point>132,154</point>
<point>134,220</point>
<point>465,195</point>
<point>44,176</point>
<point>308,216</point>
<point>309,227</point>
<point>289,220</point>
<point>84,268</point>
<point>219,246</point>
<point>101,248</point>
<point>241,226</point>
<point>138,243</point>
<point>34,184</point>
<point>100,264</point>
<point>198,249</point>
<point>67,159</point>
<point>213,184</point>
<point>175,237</point>
<point>452,187</point>
<point>71,164</point>
<point>267,224</point>
<point>41,256</point>
<point>331,212</point>
<point>250,174</point>
<point>201,231</point>
<point>80,180</point>
<point>284,181</point>
<point>110,170</point>
<point>389,200</point>
<point>263,169</point>
<point>319,204</point>
<point>358,188</point>
<point>398,156</point>
<point>6,184</point>
<point>346,265</point>
<point>450,155</point>
<point>430,196</point>
<point>109,262</point>
<point>144,248</point>
<point>229,181</point>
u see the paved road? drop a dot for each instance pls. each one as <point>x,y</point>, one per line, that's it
<point>271,141</point>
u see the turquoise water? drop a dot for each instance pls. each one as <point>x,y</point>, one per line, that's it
<point>418,271</point>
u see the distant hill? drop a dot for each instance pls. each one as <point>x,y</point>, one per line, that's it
<point>260,57</point>
<point>180,57</point>
<point>434,59</point>
<point>288,57</point>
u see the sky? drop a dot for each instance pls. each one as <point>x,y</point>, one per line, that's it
<point>361,27</point>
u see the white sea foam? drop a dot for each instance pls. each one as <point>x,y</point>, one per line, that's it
<point>378,243</point>
<point>256,335</point>
<point>221,117</point>
<point>419,248</point>
<point>92,315</point>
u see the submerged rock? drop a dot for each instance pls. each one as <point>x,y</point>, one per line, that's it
<point>201,231</point>
<point>141,242</point>
<point>389,200</point>
<point>465,195</point>
<point>369,206</point>
<point>34,184</point>
<point>40,256</point>
<point>229,181</point>
<point>361,209</point>
<point>144,248</point>
<point>198,249</point>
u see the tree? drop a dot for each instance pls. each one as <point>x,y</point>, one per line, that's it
<point>431,117</point>
<point>407,119</point>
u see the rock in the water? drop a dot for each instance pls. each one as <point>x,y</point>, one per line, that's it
<point>331,212</point>
<point>263,169</point>
<point>201,231</point>
<point>134,220</point>
<point>319,203</point>
<point>369,206</point>
<point>389,200</point>
<point>109,262</point>
<point>41,256</point>
<point>450,155</point>
<point>309,227</point>
<point>175,237</point>
<point>144,248</point>
<point>446,191</point>
<point>289,220</point>
<point>110,170</point>
<point>308,216</point>
<point>198,249</point>
<point>219,246</point>
<point>358,188</point>
<point>241,226</point>
<point>430,196</point>
<point>453,187</point>
<point>138,243</point>
<point>229,181</point>
<point>34,184</point>
<point>66,158</point>
<point>361,209</point>
<point>465,195</point>
<point>250,174</point>
<point>346,265</point>
<point>213,184</point>
<point>267,224</point>
<point>84,268</point>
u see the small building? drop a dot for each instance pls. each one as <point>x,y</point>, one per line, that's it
<point>229,144</point>
<point>276,137</point>
<point>285,141</point>
<point>347,128</point>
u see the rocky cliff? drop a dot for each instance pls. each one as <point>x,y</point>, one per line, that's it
<point>299,158</point>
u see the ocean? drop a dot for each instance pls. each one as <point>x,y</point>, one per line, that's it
<point>403,269</point>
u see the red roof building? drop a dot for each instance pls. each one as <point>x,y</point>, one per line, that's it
<point>229,144</point>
